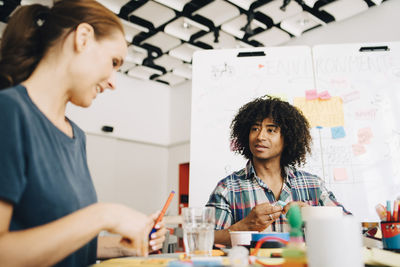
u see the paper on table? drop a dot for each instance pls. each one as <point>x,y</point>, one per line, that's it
<point>130,262</point>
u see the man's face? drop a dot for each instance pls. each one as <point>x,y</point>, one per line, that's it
<point>265,140</point>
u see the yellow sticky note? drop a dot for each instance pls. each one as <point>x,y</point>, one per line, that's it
<point>327,113</point>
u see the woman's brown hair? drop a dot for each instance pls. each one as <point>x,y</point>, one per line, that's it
<point>33,29</point>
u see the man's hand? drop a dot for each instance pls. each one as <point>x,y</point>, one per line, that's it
<point>261,216</point>
<point>299,203</point>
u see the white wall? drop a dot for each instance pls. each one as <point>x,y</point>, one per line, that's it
<point>179,149</point>
<point>126,172</point>
<point>180,102</point>
<point>130,165</point>
<point>138,110</point>
<point>139,169</point>
<point>142,171</point>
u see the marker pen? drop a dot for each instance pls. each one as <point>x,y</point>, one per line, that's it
<point>388,211</point>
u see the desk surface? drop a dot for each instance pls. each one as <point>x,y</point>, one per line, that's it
<point>373,256</point>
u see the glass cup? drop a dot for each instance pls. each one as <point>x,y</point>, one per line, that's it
<point>198,230</point>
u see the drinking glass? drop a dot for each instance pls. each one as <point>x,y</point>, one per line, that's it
<point>198,230</point>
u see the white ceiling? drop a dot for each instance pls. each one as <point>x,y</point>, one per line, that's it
<point>164,34</point>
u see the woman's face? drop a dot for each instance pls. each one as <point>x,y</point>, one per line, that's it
<point>95,68</point>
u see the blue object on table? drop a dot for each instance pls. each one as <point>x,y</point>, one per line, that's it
<point>258,236</point>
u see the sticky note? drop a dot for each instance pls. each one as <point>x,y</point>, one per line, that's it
<point>338,132</point>
<point>358,149</point>
<point>364,136</point>
<point>324,95</point>
<point>311,94</point>
<point>340,174</point>
<point>260,66</point>
<point>326,113</point>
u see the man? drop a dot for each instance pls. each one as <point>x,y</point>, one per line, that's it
<point>275,137</point>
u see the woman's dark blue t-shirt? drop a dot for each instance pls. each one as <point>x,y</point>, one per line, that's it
<point>43,172</point>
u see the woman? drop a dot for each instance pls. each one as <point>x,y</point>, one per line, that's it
<point>48,210</point>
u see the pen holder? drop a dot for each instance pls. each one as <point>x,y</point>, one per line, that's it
<point>391,235</point>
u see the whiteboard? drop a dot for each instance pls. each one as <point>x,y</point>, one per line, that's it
<point>222,83</point>
<point>369,85</point>
<point>362,167</point>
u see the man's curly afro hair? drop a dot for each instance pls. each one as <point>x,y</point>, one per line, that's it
<point>294,128</point>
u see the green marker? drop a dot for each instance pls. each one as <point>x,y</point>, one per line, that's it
<point>295,254</point>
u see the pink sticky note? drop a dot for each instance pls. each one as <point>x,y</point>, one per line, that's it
<point>358,149</point>
<point>364,136</point>
<point>324,95</point>
<point>340,174</point>
<point>311,94</point>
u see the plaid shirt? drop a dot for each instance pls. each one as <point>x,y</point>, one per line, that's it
<point>236,195</point>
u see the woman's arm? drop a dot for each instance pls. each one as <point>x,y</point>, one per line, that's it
<point>48,244</point>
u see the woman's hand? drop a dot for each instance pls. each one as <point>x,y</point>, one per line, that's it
<point>133,226</point>
<point>157,238</point>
